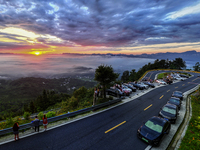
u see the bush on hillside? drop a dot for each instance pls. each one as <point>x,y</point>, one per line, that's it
<point>40,115</point>
<point>26,115</point>
<point>51,114</point>
<point>9,121</point>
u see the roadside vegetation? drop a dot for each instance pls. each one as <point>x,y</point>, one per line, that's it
<point>20,94</point>
<point>191,140</point>
<point>162,75</point>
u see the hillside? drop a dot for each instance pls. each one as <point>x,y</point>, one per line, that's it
<point>16,93</point>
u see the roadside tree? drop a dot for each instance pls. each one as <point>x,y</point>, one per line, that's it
<point>179,63</point>
<point>125,76</point>
<point>197,67</point>
<point>105,76</point>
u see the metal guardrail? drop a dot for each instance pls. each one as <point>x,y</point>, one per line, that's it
<point>52,119</point>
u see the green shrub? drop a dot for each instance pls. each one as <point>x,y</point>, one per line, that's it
<point>40,115</point>
<point>51,114</point>
<point>26,115</point>
<point>73,103</point>
<point>9,121</point>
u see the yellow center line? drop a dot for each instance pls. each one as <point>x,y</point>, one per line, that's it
<point>168,90</point>
<point>147,107</point>
<point>176,87</point>
<point>183,84</point>
<point>150,75</point>
<point>194,79</point>
<point>161,96</point>
<point>115,127</point>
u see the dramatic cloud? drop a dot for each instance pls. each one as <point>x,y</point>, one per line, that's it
<point>86,25</point>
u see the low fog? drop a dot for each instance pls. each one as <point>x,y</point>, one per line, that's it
<point>51,66</point>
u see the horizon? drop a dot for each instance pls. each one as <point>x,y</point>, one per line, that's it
<point>126,27</point>
<point>101,53</point>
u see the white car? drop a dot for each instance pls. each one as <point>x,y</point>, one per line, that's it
<point>144,85</point>
<point>126,88</point>
<point>180,78</point>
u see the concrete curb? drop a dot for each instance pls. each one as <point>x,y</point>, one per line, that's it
<point>177,141</point>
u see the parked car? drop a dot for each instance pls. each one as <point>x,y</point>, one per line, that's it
<point>168,81</point>
<point>149,84</point>
<point>131,87</point>
<point>154,130</point>
<point>184,76</point>
<point>144,85</point>
<point>175,101</point>
<point>126,92</point>
<point>161,82</point>
<point>178,94</point>
<point>169,112</point>
<point>137,86</point>
<point>126,88</point>
<point>115,92</point>
<point>180,78</point>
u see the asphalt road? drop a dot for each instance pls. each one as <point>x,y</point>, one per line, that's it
<point>114,129</point>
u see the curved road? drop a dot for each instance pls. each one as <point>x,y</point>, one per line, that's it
<point>112,129</point>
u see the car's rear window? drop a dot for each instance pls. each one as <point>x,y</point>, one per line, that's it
<point>153,126</point>
<point>178,93</point>
<point>169,110</point>
<point>174,100</point>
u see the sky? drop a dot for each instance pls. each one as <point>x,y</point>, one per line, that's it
<point>99,26</point>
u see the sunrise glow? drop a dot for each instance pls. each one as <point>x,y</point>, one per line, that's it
<point>49,28</point>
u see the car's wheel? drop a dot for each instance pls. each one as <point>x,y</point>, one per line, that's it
<point>174,121</point>
<point>169,129</point>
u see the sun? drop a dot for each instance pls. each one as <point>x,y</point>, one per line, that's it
<point>37,53</point>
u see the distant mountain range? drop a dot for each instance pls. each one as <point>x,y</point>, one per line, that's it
<point>186,56</point>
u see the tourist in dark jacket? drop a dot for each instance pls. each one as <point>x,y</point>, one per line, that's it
<point>15,130</point>
<point>36,122</point>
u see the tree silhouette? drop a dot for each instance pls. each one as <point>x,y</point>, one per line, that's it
<point>105,76</point>
<point>197,67</point>
<point>125,76</point>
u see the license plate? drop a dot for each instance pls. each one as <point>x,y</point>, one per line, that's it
<point>145,140</point>
<point>166,119</point>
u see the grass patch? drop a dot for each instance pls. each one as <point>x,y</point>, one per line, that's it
<point>191,140</point>
<point>162,75</point>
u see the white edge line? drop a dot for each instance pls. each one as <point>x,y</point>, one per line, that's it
<point>148,147</point>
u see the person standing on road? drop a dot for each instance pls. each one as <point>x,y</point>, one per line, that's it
<point>95,97</point>
<point>15,130</point>
<point>36,123</point>
<point>98,92</point>
<point>45,123</point>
